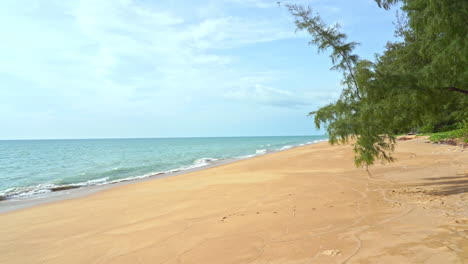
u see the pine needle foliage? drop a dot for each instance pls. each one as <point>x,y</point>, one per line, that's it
<point>418,83</point>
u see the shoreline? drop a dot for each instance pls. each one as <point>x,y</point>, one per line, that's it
<point>22,202</point>
<point>303,205</point>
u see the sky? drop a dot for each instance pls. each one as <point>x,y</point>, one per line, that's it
<point>164,68</point>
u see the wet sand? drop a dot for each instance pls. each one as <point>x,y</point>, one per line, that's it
<point>304,205</point>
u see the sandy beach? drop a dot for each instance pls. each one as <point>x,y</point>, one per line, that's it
<point>304,205</point>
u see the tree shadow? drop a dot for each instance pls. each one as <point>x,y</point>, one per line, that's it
<point>448,178</point>
<point>445,186</point>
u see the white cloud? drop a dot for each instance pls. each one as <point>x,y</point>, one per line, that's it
<point>231,32</point>
<point>160,44</point>
<point>260,94</point>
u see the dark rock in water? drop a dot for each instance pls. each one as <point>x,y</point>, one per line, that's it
<point>2,198</point>
<point>64,187</point>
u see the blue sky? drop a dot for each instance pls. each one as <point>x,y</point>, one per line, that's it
<point>141,68</point>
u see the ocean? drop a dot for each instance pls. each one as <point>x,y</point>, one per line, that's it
<point>29,167</point>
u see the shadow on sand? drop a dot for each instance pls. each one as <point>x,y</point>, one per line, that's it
<point>445,186</point>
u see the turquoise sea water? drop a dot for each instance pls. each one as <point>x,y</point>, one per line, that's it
<point>29,167</point>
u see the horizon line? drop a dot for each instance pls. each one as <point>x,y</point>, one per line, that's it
<point>97,138</point>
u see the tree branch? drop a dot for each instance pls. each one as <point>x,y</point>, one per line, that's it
<point>299,11</point>
<point>345,58</point>
<point>455,89</point>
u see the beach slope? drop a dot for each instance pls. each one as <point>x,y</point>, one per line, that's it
<point>304,205</point>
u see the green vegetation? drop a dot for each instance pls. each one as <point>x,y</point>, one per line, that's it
<point>438,137</point>
<point>461,134</point>
<point>419,84</point>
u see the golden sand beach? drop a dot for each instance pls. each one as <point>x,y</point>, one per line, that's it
<point>304,205</point>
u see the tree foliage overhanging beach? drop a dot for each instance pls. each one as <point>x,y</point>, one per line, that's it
<point>419,83</point>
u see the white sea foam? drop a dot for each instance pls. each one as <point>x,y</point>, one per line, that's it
<point>27,191</point>
<point>197,164</point>
<point>245,156</point>
<point>136,177</point>
<point>203,162</point>
<point>285,147</point>
<point>321,140</point>
<point>94,182</point>
<point>260,151</point>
